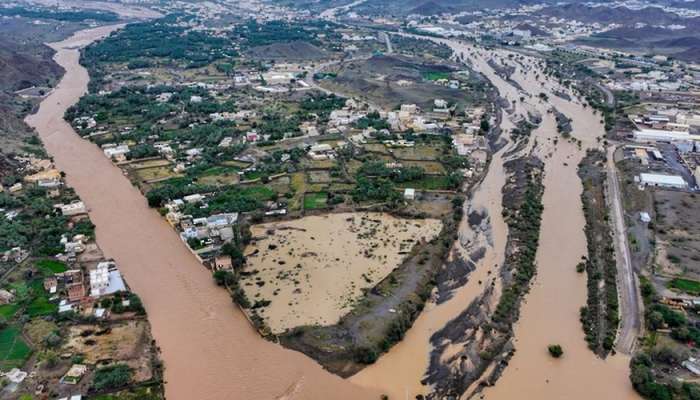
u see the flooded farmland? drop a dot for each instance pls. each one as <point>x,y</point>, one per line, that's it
<point>314,269</point>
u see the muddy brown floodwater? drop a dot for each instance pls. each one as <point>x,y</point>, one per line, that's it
<point>209,349</point>
<point>550,312</point>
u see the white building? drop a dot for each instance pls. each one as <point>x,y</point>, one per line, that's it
<point>103,281</point>
<point>114,151</point>
<point>661,180</point>
<point>193,198</point>
<point>409,194</point>
<point>71,209</point>
<point>658,135</point>
<point>644,217</point>
<point>99,279</point>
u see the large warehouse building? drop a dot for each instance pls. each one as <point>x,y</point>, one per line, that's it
<point>658,135</point>
<point>661,180</point>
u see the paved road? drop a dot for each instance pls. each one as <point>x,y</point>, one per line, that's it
<point>628,292</point>
<point>332,12</point>
<point>387,39</point>
<point>609,97</point>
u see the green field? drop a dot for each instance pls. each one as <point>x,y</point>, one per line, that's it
<point>21,289</point>
<point>314,201</point>
<point>428,183</point>
<point>8,311</point>
<point>220,170</point>
<point>51,267</point>
<point>685,285</point>
<point>41,306</point>
<point>434,75</point>
<point>13,350</point>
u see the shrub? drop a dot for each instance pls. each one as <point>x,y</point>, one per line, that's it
<point>555,350</point>
<point>111,377</point>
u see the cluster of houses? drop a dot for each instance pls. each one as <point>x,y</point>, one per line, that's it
<point>39,172</point>
<point>76,290</point>
<point>210,232</point>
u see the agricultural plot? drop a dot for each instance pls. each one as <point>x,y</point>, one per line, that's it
<point>430,167</point>
<point>319,176</point>
<point>155,174</point>
<point>50,267</point>
<point>685,285</point>
<point>314,201</point>
<point>220,176</point>
<point>13,350</point>
<point>420,152</point>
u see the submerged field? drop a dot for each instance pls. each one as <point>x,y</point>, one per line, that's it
<point>311,271</point>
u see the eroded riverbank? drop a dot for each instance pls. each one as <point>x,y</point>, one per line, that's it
<point>209,349</point>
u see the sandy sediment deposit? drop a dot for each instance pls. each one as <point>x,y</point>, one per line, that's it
<point>312,270</point>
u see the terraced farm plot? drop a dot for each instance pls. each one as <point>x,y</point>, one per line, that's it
<point>155,173</point>
<point>120,343</point>
<point>236,164</point>
<point>319,176</point>
<point>298,184</point>
<point>418,152</point>
<point>341,187</point>
<point>353,166</point>
<point>280,185</point>
<point>430,167</point>
<point>428,183</point>
<point>376,148</point>
<point>435,75</point>
<point>314,201</point>
<point>149,164</point>
<point>322,164</point>
<point>220,176</point>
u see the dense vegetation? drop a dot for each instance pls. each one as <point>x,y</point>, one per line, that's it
<point>38,226</point>
<point>68,16</point>
<point>600,316</point>
<point>523,216</point>
<point>372,120</point>
<point>253,33</point>
<point>160,39</point>
<point>112,377</point>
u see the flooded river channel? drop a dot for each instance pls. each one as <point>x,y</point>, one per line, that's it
<point>209,349</point>
<point>550,312</point>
